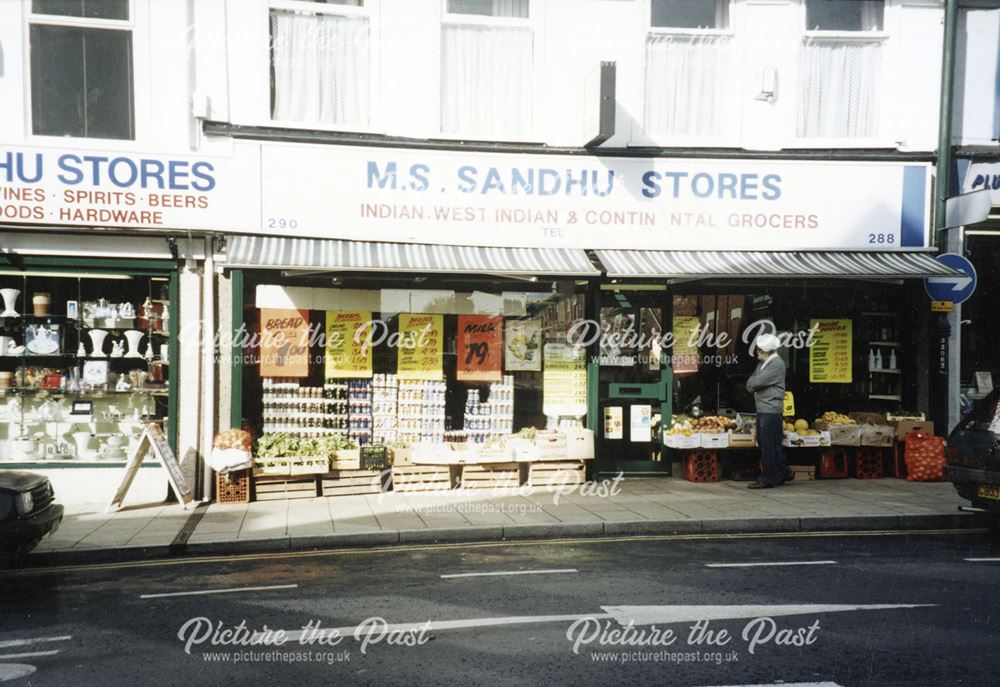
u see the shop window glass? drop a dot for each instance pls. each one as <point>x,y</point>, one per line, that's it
<point>841,77</point>
<point>90,9</point>
<point>321,66</point>
<point>487,67</point>
<point>687,74</point>
<point>81,77</point>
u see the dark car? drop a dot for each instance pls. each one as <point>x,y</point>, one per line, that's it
<point>27,513</point>
<point>973,456</point>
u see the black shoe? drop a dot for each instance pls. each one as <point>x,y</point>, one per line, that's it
<point>759,485</point>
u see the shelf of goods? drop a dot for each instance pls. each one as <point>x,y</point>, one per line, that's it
<point>78,392</point>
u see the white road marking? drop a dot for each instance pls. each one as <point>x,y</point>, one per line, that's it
<point>983,560</point>
<point>13,671</point>
<point>24,642</point>
<point>218,591</point>
<point>761,565</point>
<point>651,615</point>
<point>789,684</point>
<point>510,572</point>
<point>4,657</point>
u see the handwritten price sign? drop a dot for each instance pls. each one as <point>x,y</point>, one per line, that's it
<point>284,349</point>
<point>346,352</point>
<point>480,348</point>
<point>830,357</point>
<point>421,350</point>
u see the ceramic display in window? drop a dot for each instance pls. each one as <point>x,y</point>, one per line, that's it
<point>42,339</point>
<point>9,302</point>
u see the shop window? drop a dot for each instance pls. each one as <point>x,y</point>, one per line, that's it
<point>81,69</point>
<point>487,68</point>
<point>321,62</point>
<point>687,67</point>
<point>841,67</point>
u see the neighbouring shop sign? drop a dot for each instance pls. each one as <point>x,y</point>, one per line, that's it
<point>564,381</point>
<point>284,345</point>
<point>830,356</point>
<point>65,186</point>
<point>421,346</point>
<point>348,353</point>
<point>523,346</point>
<point>685,351</point>
<point>480,348</point>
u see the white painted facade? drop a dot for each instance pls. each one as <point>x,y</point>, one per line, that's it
<point>213,56</point>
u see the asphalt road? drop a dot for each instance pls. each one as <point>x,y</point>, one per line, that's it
<point>877,609</point>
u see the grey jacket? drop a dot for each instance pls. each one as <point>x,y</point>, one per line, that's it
<point>768,386</point>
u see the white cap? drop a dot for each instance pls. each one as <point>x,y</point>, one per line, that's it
<point>767,342</point>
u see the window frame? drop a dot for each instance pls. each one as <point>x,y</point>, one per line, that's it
<point>139,88</point>
<point>883,137</point>
<point>532,22</point>
<point>732,123</point>
<point>370,10</point>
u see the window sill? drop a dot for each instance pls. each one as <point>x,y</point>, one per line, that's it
<point>82,143</point>
<point>858,36</point>
<point>667,31</point>
<point>824,143</point>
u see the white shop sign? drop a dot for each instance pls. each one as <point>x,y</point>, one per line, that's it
<point>499,199</point>
<point>63,186</point>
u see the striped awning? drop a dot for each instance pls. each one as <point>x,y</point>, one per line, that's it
<point>335,254</point>
<point>704,264</point>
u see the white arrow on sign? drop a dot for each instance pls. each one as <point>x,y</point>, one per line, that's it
<point>957,283</point>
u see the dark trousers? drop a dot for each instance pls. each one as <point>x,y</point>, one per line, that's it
<point>770,431</point>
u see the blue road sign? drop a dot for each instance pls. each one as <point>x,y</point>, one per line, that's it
<point>956,289</point>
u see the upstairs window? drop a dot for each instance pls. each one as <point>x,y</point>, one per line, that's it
<point>320,62</point>
<point>81,68</point>
<point>841,68</point>
<point>487,68</point>
<point>688,67</point>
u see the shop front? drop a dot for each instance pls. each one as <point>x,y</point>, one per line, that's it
<point>88,340</point>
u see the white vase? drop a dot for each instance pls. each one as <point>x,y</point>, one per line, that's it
<point>97,337</point>
<point>82,441</point>
<point>9,302</point>
<point>133,336</point>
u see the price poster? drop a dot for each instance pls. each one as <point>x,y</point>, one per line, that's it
<point>347,352</point>
<point>523,345</point>
<point>640,423</point>
<point>421,346</point>
<point>480,348</point>
<point>830,355</point>
<point>564,381</point>
<point>685,351</point>
<point>613,428</point>
<point>284,346</point>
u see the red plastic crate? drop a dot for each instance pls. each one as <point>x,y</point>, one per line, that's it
<point>833,463</point>
<point>701,466</point>
<point>869,463</point>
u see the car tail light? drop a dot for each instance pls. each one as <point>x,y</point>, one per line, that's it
<point>25,503</point>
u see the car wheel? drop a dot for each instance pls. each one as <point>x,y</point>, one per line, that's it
<point>13,556</point>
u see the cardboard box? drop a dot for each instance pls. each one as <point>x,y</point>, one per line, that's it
<point>719,440</point>
<point>869,418</point>
<point>793,440</point>
<point>904,427</point>
<point>682,441</point>
<point>842,435</point>
<point>742,440</point>
<point>579,444</point>
<point>803,472</point>
<point>877,435</point>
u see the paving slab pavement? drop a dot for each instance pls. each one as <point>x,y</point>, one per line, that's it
<point>652,506</point>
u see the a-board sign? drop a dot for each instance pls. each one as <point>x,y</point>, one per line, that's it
<point>153,438</point>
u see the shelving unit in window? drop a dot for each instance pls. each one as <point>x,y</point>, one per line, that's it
<point>880,330</point>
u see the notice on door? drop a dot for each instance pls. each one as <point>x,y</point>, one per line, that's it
<point>613,425</point>
<point>830,355</point>
<point>284,346</point>
<point>640,424</point>
<point>564,381</point>
<point>421,346</point>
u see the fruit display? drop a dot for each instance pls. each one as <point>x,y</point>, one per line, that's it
<point>925,458</point>
<point>713,423</point>
<point>681,428</point>
<point>833,418</point>
<point>801,427</point>
<point>232,438</point>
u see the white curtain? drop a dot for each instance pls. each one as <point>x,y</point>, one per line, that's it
<point>486,80</point>
<point>839,89</point>
<point>510,8</point>
<point>687,78</point>
<point>321,68</point>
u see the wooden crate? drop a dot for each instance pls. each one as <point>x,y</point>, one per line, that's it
<point>493,475</point>
<point>803,473</point>
<point>556,474</point>
<point>352,482</point>
<point>270,488</point>
<point>423,477</point>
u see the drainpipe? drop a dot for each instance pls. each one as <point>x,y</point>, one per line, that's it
<point>208,366</point>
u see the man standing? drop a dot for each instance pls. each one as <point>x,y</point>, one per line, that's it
<point>767,384</point>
